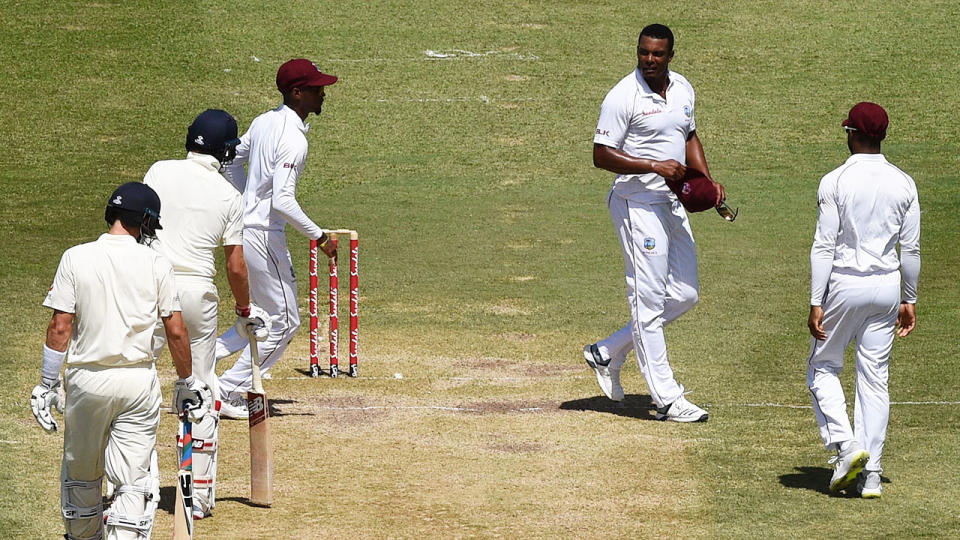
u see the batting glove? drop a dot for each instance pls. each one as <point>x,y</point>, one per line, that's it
<point>192,397</point>
<point>44,396</point>
<point>255,320</point>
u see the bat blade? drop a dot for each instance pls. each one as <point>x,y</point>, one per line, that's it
<point>261,450</point>
<point>183,511</point>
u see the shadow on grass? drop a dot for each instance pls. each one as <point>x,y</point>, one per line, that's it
<point>275,411</point>
<point>816,479</point>
<point>243,500</point>
<point>168,499</point>
<point>632,406</point>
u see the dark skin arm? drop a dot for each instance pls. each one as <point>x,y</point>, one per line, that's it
<point>616,161</point>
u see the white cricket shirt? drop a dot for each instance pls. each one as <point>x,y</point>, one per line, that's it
<point>643,124</point>
<point>275,151</point>
<point>199,210</point>
<point>115,288</point>
<point>865,208</point>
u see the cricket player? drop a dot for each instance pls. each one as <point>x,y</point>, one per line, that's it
<point>647,135</point>
<point>107,297</point>
<point>865,208</point>
<point>275,151</point>
<point>203,211</point>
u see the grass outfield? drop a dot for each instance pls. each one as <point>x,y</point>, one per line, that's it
<point>488,259</point>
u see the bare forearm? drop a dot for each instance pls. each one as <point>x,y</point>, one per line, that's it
<point>695,156</point>
<point>616,161</point>
<point>58,331</point>
<point>237,275</point>
<point>178,341</point>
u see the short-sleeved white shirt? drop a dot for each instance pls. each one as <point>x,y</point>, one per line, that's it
<point>275,151</point>
<point>865,208</point>
<point>641,123</point>
<point>115,288</point>
<point>199,210</point>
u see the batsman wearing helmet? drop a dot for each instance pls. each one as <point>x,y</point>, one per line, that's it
<point>108,296</point>
<point>275,151</point>
<point>203,211</point>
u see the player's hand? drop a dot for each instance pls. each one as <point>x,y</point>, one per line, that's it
<point>253,319</point>
<point>329,249</point>
<point>192,397</point>
<point>670,169</point>
<point>43,397</point>
<point>906,319</point>
<point>721,193</point>
<point>815,323</point>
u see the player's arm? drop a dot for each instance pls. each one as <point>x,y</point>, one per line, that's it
<point>234,171</point>
<point>698,160</point>
<point>821,256</point>
<point>237,275</point>
<point>617,161</point>
<point>178,341</point>
<point>909,269</point>
<point>289,162</point>
<point>46,395</point>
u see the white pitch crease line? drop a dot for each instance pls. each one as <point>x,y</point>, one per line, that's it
<point>419,407</point>
<point>9,442</point>
<point>787,406</point>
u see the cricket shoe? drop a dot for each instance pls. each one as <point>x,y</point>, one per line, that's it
<point>848,465</point>
<point>681,410</point>
<point>607,377</point>
<point>235,407</point>
<point>869,484</point>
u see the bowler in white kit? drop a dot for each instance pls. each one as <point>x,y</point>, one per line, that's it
<point>861,291</point>
<point>647,135</point>
<point>107,298</point>
<point>203,211</point>
<point>274,149</point>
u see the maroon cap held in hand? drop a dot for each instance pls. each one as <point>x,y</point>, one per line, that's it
<point>301,73</point>
<point>695,191</point>
<point>869,119</point>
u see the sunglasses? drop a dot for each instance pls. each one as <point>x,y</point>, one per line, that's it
<point>726,212</point>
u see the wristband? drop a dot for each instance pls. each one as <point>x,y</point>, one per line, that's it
<point>243,311</point>
<point>52,361</point>
<point>325,240</point>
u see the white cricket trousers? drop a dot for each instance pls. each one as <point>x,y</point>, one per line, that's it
<point>660,262</point>
<point>862,308</point>
<point>199,303</point>
<point>273,287</point>
<point>111,419</point>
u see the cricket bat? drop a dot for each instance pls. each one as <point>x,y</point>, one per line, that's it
<point>261,452</point>
<point>183,512</point>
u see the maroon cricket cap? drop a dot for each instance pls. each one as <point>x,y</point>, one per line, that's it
<point>695,191</point>
<point>301,73</point>
<point>869,119</point>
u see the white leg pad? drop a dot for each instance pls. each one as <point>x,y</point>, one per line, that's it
<point>149,489</point>
<point>78,518</point>
<point>205,435</point>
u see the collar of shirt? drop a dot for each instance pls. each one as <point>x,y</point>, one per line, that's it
<point>116,238</point>
<point>206,160</point>
<point>855,158</point>
<point>295,118</point>
<point>645,88</point>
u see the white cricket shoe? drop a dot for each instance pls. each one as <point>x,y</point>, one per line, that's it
<point>681,410</point>
<point>607,377</point>
<point>234,407</point>
<point>849,463</point>
<point>869,484</point>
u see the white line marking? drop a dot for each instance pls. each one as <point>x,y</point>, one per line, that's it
<point>462,99</point>
<point>9,442</point>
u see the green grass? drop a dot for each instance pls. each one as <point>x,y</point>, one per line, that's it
<point>488,259</point>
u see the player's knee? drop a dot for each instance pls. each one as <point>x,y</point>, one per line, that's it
<point>138,502</point>
<point>82,508</point>
<point>688,297</point>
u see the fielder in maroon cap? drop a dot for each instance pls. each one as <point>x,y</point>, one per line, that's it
<point>861,289</point>
<point>275,151</point>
